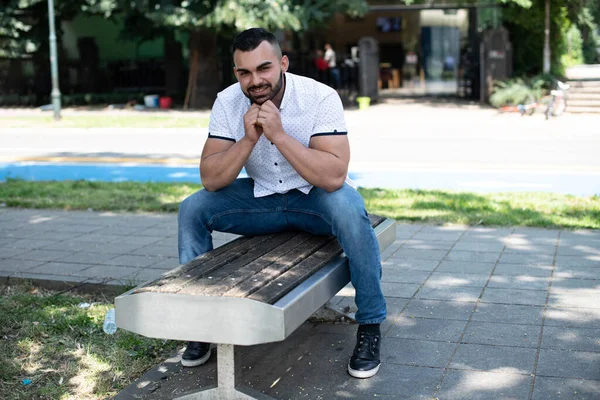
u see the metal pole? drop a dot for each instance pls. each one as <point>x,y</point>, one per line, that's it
<point>53,62</point>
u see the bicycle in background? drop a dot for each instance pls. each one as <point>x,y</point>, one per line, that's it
<point>558,103</point>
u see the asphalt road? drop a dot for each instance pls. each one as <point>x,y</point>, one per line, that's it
<point>395,144</point>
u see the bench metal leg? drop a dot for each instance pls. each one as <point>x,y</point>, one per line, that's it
<point>229,378</point>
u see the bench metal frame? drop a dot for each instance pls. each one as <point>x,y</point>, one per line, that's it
<point>231,321</point>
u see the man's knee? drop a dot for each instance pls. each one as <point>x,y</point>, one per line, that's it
<point>346,205</point>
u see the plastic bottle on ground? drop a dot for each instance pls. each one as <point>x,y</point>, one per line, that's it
<point>110,323</point>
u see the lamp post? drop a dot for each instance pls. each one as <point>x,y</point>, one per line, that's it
<point>53,62</point>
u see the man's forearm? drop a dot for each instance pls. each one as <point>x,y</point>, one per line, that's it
<point>319,168</point>
<point>221,169</point>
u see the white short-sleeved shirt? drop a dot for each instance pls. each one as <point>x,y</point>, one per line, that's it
<point>308,108</point>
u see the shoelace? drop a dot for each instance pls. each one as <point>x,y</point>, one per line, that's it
<point>371,343</point>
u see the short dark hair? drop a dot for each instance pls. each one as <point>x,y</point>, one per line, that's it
<point>251,38</point>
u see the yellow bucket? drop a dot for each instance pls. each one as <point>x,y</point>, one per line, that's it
<point>363,102</point>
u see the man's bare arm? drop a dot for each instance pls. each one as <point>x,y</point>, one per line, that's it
<point>323,164</point>
<point>222,161</point>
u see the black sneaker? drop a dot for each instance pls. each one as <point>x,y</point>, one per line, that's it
<point>364,362</point>
<point>196,353</point>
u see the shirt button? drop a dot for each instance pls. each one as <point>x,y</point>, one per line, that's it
<point>275,164</point>
<point>280,181</point>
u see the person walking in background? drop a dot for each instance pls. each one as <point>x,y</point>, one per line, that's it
<point>331,62</point>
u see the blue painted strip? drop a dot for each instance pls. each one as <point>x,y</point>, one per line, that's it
<point>474,181</point>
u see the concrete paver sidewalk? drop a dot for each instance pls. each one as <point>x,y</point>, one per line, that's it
<point>473,312</point>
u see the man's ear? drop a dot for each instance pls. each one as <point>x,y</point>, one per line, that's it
<point>285,63</point>
<point>235,73</point>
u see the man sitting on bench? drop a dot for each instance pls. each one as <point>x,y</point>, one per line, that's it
<point>289,133</point>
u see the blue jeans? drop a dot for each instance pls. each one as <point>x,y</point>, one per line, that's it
<point>342,213</point>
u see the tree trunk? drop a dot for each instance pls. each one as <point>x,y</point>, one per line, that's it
<point>204,82</point>
<point>173,65</point>
<point>547,40</point>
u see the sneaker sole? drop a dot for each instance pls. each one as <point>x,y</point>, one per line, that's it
<point>363,374</point>
<point>195,363</point>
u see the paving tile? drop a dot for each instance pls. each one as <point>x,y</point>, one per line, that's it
<point>157,250</point>
<point>119,248</point>
<point>491,358</point>
<point>107,271</point>
<point>585,298</point>
<point>419,353</point>
<point>577,272</point>
<point>56,236</point>
<point>12,265</point>
<point>565,389</point>
<point>133,261</point>
<point>525,259</point>
<point>393,304</point>
<point>578,250</point>
<point>32,243</point>
<point>441,236</point>
<point>529,270</point>
<point>165,264</point>
<point>56,268</point>
<point>502,334</point>
<point>428,245</point>
<point>87,257</point>
<point>473,257</point>
<point>73,246</point>
<point>519,282</point>
<point>446,279</point>
<point>97,238</point>
<point>76,228</point>
<point>592,261</point>
<point>118,231</point>
<point>400,276</point>
<point>142,240</point>
<point>568,364</point>
<point>442,330</point>
<point>573,317</point>
<point>411,265</point>
<point>392,289</point>
<point>395,382</point>
<point>390,250</point>
<point>530,249</point>
<point>561,284</point>
<point>485,246</point>
<point>482,385</point>
<point>452,294</point>
<point>514,296</point>
<point>42,255</point>
<point>465,267</point>
<point>415,254</point>
<point>487,232</point>
<point>8,252</point>
<point>536,233</point>
<point>58,278</point>
<point>509,314</point>
<point>459,310</point>
<point>582,339</point>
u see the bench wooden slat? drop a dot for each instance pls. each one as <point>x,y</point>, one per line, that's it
<point>202,265</point>
<point>246,272</point>
<point>283,284</point>
<point>278,267</point>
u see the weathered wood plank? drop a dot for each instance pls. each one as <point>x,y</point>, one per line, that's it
<point>278,267</point>
<point>201,265</point>
<point>287,281</point>
<point>217,288</point>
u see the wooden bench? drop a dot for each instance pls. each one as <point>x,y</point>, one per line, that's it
<point>252,290</point>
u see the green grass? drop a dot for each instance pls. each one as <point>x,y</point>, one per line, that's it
<point>48,339</point>
<point>105,121</point>
<point>419,206</point>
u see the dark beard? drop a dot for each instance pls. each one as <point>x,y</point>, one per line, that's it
<point>274,92</point>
